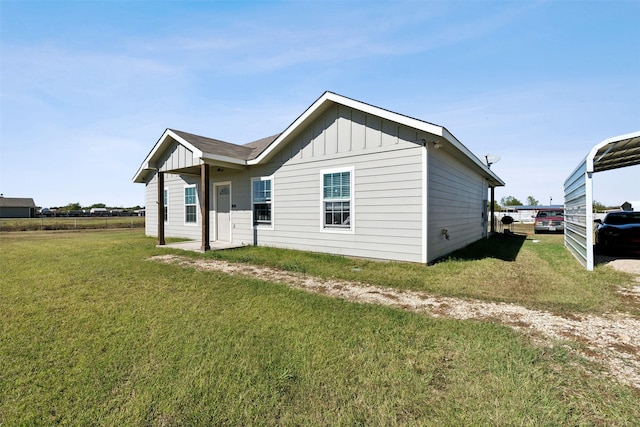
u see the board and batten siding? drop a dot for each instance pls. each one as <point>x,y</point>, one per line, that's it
<point>175,226</point>
<point>177,156</point>
<point>386,205</point>
<point>457,198</point>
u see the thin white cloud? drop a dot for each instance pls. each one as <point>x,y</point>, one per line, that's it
<point>257,44</point>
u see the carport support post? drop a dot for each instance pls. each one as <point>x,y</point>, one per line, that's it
<point>161,208</point>
<point>204,206</point>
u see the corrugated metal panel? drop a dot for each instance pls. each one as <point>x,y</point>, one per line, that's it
<point>617,152</point>
<point>612,153</point>
<point>578,233</point>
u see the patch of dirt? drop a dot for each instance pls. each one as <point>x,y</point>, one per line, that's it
<point>627,265</point>
<point>612,339</point>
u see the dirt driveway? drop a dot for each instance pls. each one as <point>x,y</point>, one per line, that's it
<point>627,265</point>
<point>612,340</point>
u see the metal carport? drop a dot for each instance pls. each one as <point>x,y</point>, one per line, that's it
<point>612,153</point>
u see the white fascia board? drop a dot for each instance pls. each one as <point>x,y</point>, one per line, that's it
<point>386,114</point>
<point>160,145</point>
<point>139,175</point>
<point>197,154</point>
<point>615,139</point>
<point>292,127</point>
<point>375,111</point>
<point>352,103</point>
<point>462,148</point>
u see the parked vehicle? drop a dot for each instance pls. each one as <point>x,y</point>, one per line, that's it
<point>549,220</point>
<point>618,233</point>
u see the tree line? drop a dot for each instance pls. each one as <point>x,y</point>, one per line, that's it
<point>532,201</point>
<point>78,207</point>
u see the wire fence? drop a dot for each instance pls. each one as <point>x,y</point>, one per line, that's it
<point>49,223</point>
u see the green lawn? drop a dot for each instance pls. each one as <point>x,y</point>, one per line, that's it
<point>94,334</point>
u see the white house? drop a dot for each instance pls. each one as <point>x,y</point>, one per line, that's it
<point>344,178</point>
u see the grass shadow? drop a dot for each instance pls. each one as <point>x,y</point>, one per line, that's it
<point>602,259</point>
<point>500,246</point>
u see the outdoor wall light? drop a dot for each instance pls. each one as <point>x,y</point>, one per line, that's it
<point>437,145</point>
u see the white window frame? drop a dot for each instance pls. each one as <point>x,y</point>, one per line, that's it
<point>166,205</point>
<point>336,229</point>
<point>268,226</point>
<point>184,195</point>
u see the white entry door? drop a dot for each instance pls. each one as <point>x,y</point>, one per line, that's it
<point>223,213</point>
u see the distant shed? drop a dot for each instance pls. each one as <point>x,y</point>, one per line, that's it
<point>17,207</point>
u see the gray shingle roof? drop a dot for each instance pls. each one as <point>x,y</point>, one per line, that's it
<point>16,202</point>
<point>260,145</point>
<point>244,152</point>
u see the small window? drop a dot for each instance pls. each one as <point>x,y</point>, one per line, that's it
<point>336,199</point>
<point>166,205</point>
<point>190,205</point>
<point>261,201</point>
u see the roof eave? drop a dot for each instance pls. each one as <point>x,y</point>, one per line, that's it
<point>330,97</point>
<point>591,161</point>
<point>148,163</point>
<point>490,175</point>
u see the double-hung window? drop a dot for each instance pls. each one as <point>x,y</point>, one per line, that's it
<point>190,205</point>
<point>337,199</point>
<point>261,200</point>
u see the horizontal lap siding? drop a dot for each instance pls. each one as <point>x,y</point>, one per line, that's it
<point>175,226</point>
<point>386,204</point>
<point>456,197</point>
<point>151,207</point>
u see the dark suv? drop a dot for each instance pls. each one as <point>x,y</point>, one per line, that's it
<point>549,221</point>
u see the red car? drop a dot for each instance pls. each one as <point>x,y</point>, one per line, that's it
<point>549,220</point>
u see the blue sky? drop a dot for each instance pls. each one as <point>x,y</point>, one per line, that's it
<point>88,87</point>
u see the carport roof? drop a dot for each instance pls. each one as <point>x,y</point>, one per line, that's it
<point>613,153</point>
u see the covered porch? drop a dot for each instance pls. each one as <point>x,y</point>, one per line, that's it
<point>196,246</point>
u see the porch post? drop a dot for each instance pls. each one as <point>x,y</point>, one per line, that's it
<point>160,208</point>
<point>204,206</point>
<point>493,202</point>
